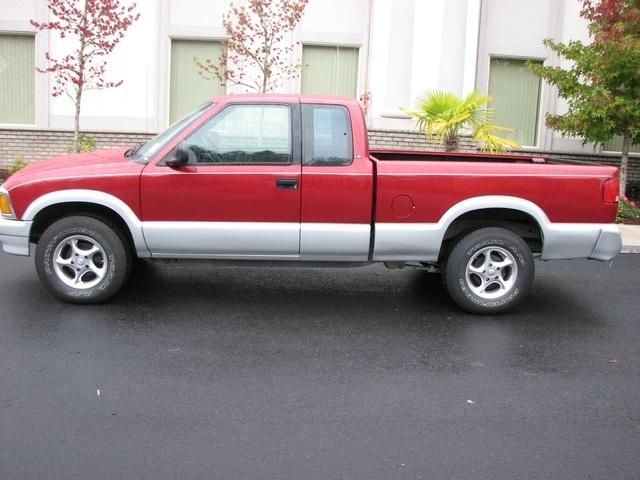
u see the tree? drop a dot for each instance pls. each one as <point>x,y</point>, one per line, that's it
<point>444,116</point>
<point>602,85</point>
<point>255,53</point>
<point>95,27</point>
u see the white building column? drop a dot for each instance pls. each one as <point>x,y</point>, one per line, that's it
<point>428,29</point>
<point>472,36</point>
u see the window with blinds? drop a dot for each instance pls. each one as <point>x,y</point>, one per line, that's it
<point>17,79</point>
<point>330,70</point>
<point>188,88</point>
<point>516,98</point>
<point>615,145</point>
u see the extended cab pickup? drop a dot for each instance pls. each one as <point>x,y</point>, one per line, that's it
<point>291,179</point>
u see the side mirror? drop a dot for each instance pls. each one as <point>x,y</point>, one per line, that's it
<point>180,158</point>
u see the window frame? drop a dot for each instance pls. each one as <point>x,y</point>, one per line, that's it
<point>336,47</point>
<point>167,105</point>
<point>349,129</point>
<point>603,150</point>
<point>33,36</point>
<point>540,126</point>
<point>296,135</point>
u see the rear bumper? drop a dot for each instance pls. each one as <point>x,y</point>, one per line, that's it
<point>14,236</point>
<point>595,241</point>
<point>609,244</point>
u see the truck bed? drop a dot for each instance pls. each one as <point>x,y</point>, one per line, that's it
<point>436,181</point>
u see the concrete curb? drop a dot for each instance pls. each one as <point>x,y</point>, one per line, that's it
<point>630,238</point>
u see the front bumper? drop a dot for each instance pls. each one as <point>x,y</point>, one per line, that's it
<point>595,241</point>
<point>14,236</point>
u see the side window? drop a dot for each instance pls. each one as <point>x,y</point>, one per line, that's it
<point>327,138</point>
<point>242,134</point>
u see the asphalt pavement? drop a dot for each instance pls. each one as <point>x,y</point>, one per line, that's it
<point>286,373</point>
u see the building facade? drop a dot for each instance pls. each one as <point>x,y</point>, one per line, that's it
<point>392,49</point>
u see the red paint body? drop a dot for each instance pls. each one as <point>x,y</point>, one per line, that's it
<point>331,194</point>
<point>567,194</point>
<point>106,171</point>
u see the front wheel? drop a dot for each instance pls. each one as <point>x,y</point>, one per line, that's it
<point>82,259</point>
<point>489,271</point>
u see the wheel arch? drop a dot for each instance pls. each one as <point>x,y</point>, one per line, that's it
<point>45,210</point>
<point>519,215</point>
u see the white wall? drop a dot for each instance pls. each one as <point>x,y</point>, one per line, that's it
<point>573,28</point>
<point>413,46</point>
<point>130,107</point>
<point>417,46</point>
<point>14,14</point>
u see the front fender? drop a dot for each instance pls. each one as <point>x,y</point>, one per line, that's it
<point>97,198</point>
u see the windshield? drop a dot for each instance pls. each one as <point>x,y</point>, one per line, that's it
<point>145,152</point>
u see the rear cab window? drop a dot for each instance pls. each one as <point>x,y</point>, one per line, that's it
<point>326,135</point>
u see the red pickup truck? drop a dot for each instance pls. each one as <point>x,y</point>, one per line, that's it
<point>290,179</point>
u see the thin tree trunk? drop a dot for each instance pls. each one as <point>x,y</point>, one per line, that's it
<point>76,124</point>
<point>451,143</point>
<point>78,100</point>
<point>624,161</point>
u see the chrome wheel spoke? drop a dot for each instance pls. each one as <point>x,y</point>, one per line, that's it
<point>91,251</point>
<point>63,261</point>
<point>506,262</point>
<point>98,271</point>
<point>487,260</point>
<point>78,276</point>
<point>479,270</point>
<point>480,289</point>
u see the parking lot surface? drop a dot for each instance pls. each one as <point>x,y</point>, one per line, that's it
<point>247,373</point>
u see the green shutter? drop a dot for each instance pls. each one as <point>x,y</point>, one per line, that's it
<point>188,88</point>
<point>330,70</point>
<point>516,97</point>
<point>615,145</point>
<point>17,79</point>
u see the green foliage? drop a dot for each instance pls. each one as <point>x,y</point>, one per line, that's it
<point>601,88</point>
<point>444,117</point>
<point>628,211</point>
<point>633,190</point>
<point>86,143</point>
<point>18,164</point>
<point>602,83</point>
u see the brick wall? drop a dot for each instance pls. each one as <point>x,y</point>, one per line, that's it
<point>410,140</point>
<point>34,145</point>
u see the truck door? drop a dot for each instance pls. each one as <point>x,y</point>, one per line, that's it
<point>337,184</point>
<point>239,194</point>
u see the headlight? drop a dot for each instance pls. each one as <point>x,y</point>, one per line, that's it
<point>5,205</point>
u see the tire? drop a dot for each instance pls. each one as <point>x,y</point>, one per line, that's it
<point>83,259</point>
<point>488,271</point>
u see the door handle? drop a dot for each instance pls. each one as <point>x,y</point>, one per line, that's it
<point>287,184</point>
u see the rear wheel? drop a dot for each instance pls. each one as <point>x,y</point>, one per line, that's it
<point>82,259</point>
<point>488,271</point>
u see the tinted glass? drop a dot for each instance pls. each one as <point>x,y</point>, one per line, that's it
<point>327,136</point>
<point>242,134</point>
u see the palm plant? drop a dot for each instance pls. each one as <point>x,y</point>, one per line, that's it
<point>444,117</point>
